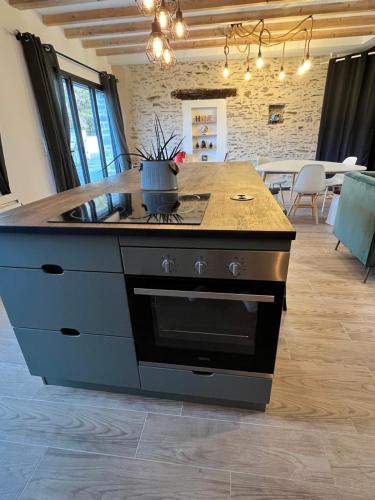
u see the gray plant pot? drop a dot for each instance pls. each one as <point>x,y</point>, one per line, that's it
<point>158,175</point>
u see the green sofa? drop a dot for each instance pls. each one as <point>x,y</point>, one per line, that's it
<point>355,219</point>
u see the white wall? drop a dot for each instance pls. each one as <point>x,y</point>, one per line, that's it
<point>26,158</point>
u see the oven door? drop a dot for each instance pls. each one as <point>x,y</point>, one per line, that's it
<point>207,323</point>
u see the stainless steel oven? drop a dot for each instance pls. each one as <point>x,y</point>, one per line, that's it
<point>206,309</point>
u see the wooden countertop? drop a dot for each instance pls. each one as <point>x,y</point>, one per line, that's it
<point>261,217</point>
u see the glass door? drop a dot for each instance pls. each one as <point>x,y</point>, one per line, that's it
<point>206,322</point>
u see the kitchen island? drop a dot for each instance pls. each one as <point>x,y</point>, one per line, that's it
<point>175,310</point>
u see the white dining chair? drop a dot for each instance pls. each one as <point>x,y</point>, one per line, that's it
<point>310,182</point>
<point>337,179</point>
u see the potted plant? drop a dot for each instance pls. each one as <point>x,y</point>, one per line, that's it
<point>158,168</point>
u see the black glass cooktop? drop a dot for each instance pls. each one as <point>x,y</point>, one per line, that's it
<point>141,207</point>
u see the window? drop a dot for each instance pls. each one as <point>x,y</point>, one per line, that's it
<point>91,140</point>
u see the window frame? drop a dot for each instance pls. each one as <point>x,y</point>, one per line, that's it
<point>93,87</point>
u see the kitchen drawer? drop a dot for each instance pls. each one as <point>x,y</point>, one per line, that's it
<point>86,301</point>
<point>94,359</point>
<point>216,386</point>
<point>72,252</point>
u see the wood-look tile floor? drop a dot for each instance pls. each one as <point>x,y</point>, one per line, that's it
<point>316,441</point>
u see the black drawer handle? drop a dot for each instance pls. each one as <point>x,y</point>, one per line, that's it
<point>71,332</point>
<point>52,269</point>
<point>206,374</point>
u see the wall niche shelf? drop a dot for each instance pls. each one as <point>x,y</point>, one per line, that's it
<point>210,115</point>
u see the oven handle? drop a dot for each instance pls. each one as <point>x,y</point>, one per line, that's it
<point>191,294</point>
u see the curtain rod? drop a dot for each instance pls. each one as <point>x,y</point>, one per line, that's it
<point>78,62</point>
<point>18,35</point>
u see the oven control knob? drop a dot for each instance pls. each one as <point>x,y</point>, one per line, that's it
<point>200,266</point>
<point>234,268</point>
<point>167,265</point>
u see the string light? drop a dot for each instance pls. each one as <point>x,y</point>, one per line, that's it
<point>301,68</point>
<point>282,72</point>
<point>156,43</point>
<point>164,16</point>
<point>179,27</point>
<point>248,74</point>
<point>226,71</point>
<point>307,62</point>
<point>243,34</point>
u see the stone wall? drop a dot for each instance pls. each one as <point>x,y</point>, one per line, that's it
<point>146,89</point>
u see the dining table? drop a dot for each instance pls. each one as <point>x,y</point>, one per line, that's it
<point>294,166</point>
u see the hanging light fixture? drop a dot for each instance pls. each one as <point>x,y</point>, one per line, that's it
<point>226,71</point>
<point>164,16</point>
<point>156,43</point>
<point>147,7</point>
<point>248,74</point>
<point>169,58</point>
<point>282,72</point>
<point>179,26</point>
<point>244,34</point>
<point>260,62</point>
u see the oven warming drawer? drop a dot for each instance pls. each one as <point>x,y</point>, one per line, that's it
<point>246,389</point>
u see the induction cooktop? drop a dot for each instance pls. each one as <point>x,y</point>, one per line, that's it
<point>141,207</point>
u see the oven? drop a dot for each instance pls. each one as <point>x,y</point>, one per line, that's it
<point>206,309</point>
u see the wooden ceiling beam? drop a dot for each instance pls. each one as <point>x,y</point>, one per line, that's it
<point>144,25</point>
<point>218,42</point>
<point>131,39</point>
<point>117,13</point>
<point>113,13</point>
<point>41,4</point>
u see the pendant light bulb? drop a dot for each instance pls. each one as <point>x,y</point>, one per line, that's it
<point>248,74</point>
<point>282,74</point>
<point>301,69</point>
<point>307,63</point>
<point>180,28</point>
<point>260,62</point>
<point>148,5</point>
<point>167,56</point>
<point>157,47</point>
<point>163,17</point>
<point>226,71</point>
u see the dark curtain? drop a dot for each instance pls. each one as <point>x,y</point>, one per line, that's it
<point>4,183</point>
<point>48,89</point>
<point>116,121</point>
<point>347,125</point>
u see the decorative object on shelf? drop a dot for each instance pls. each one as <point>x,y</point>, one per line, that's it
<point>163,27</point>
<point>203,129</point>
<point>276,113</point>
<point>197,145</point>
<point>204,158</point>
<point>242,35</point>
<point>203,145</point>
<point>211,145</point>
<point>158,168</point>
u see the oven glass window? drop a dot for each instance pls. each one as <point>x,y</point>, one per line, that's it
<point>205,324</point>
